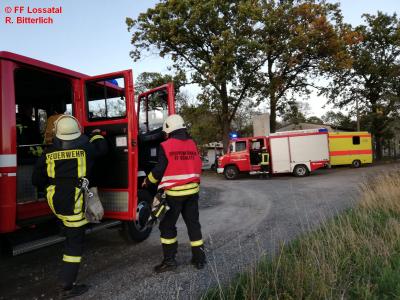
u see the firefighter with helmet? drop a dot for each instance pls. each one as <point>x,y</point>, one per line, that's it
<point>61,170</point>
<point>178,175</point>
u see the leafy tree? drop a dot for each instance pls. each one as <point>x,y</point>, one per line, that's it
<point>213,40</point>
<point>314,120</point>
<point>294,112</point>
<point>372,81</point>
<point>149,80</point>
<point>298,40</point>
<point>202,123</point>
<point>338,120</point>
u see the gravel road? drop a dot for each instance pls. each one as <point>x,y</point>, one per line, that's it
<point>241,220</point>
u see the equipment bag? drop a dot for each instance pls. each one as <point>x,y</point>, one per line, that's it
<point>94,210</point>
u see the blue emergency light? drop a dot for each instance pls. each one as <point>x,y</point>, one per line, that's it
<point>233,135</point>
<point>113,81</point>
<point>322,130</point>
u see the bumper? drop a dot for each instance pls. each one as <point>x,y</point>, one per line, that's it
<point>220,170</point>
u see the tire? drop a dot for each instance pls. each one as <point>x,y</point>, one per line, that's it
<point>137,229</point>
<point>231,172</point>
<point>356,163</point>
<point>300,171</point>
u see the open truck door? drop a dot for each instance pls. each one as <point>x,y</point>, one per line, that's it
<point>153,107</point>
<point>109,106</point>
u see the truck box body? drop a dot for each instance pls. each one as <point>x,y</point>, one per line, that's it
<point>346,148</point>
<point>287,151</point>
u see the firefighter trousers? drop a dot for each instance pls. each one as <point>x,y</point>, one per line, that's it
<point>73,249</point>
<point>188,206</point>
<point>66,202</point>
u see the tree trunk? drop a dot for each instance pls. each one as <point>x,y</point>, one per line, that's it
<point>225,139</point>
<point>225,123</point>
<point>378,147</point>
<point>272,117</point>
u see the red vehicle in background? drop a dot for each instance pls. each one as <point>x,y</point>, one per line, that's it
<point>299,152</point>
<point>132,129</point>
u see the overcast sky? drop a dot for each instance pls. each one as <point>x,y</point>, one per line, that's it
<point>91,36</point>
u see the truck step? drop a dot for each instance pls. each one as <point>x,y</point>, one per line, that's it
<point>54,239</point>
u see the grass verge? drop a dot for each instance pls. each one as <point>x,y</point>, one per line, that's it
<point>353,256</point>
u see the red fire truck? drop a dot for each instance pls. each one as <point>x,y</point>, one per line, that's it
<point>299,152</point>
<point>132,129</point>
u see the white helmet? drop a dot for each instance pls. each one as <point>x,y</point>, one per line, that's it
<point>67,128</point>
<point>172,123</point>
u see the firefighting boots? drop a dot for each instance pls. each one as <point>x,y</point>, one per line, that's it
<point>169,263</point>
<point>198,257</point>
<point>74,291</point>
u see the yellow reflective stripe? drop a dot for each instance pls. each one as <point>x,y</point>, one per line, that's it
<point>183,193</point>
<point>72,259</point>
<point>160,210</point>
<point>196,243</point>
<point>185,186</point>
<point>82,166</point>
<point>78,202</point>
<point>75,224</point>
<point>96,137</point>
<point>72,218</point>
<point>265,159</point>
<point>50,167</point>
<point>168,241</point>
<point>151,178</point>
<point>50,193</point>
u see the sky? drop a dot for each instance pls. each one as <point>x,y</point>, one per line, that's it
<point>91,36</point>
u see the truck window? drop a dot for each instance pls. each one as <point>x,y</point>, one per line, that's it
<point>106,99</point>
<point>240,146</point>
<point>153,111</point>
<point>256,145</point>
<point>356,140</point>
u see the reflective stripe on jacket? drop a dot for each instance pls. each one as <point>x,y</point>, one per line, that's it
<point>184,164</point>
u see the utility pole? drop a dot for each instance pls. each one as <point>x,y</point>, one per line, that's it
<point>358,116</point>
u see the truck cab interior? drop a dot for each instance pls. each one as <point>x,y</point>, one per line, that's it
<point>256,147</point>
<point>36,94</point>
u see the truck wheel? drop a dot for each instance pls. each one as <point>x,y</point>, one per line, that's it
<point>231,172</point>
<point>300,171</point>
<point>137,229</point>
<point>356,163</point>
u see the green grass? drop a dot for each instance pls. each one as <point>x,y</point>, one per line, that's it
<point>353,256</point>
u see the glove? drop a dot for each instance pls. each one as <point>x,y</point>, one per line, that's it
<point>145,183</point>
<point>96,131</point>
<point>94,210</point>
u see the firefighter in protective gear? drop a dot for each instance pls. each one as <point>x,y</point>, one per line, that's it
<point>60,170</point>
<point>178,175</point>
